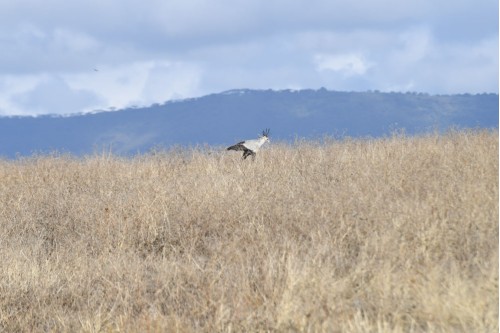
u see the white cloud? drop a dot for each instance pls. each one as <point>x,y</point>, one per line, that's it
<point>347,64</point>
<point>52,95</point>
<point>413,45</point>
<point>33,50</point>
<point>139,83</point>
<point>170,81</point>
<point>14,85</point>
<point>151,51</point>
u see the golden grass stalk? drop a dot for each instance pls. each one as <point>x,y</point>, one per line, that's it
<point>390,235</point>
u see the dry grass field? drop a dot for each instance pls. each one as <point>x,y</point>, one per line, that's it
<point>389,235</point>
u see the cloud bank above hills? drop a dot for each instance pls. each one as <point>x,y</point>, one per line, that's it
<point>66,57</point>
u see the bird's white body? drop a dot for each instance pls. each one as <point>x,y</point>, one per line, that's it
<point>251,147</point>
<point>254,145</point>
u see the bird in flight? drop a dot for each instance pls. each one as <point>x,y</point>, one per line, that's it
<point>251,147</point>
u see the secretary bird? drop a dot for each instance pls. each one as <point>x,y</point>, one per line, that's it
<point>251,147</point>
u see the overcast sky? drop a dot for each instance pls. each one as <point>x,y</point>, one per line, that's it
<point>59,56</point>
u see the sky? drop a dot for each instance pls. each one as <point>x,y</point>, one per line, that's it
<point>63,57</point>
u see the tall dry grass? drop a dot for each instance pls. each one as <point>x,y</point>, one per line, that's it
<point>389,235</point>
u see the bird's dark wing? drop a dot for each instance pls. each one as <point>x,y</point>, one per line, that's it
<point>238,146</point>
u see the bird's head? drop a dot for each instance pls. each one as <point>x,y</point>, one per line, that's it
<point>265,135</point>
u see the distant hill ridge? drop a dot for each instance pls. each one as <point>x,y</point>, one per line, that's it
<point>222,118</point>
